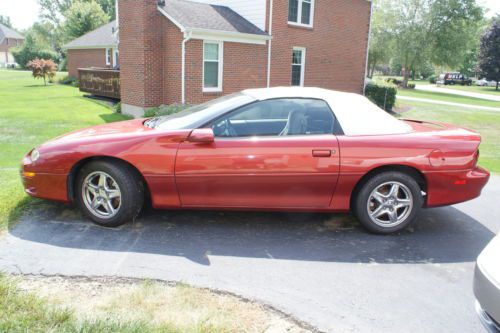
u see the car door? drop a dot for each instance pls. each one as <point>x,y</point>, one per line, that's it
<point>279,153</point>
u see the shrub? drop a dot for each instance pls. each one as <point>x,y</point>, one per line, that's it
<point>432,79</point>
<point>117,107</point>
<point>384,95</point>
<point>24,54</point>
<point>41,68</point>
<point>165,110</point>
<point>69,80</point>
<point>411,86</point>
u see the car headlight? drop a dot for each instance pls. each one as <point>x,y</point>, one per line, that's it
<point>35,155</point>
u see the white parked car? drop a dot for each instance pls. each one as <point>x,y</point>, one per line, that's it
<point>487,286</point>
<point>486,83</point>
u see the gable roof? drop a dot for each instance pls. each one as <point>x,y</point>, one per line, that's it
<point>101,37</point>
<point>200,16</point>
<point>6,32</point>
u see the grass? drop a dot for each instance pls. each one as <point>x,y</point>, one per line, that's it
<point>446,97</point>
<point>31,113</point>
<point>487,123</point>
<point>56,304</point>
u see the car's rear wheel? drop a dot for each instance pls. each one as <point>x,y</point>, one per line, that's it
<point>110,194</point>
<point>388,202</point>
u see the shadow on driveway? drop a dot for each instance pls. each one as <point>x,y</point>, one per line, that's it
<point>441,235</point>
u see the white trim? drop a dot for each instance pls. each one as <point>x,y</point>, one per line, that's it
<point>229,36</point>
<point>368,47</point>
<point>90,47</point>
<point>106,52</point>
<point>220,63</point>
<point>183,68</point>
<point>269,47</point>
<point>299,15</point>
<point>302,63</point>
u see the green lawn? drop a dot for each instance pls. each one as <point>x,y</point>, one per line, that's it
<point>31,113</point>
<point>441,96</point>
<point>476,89</point>
<point>487,123</point>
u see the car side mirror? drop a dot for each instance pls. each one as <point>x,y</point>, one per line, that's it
<point>202,135</point>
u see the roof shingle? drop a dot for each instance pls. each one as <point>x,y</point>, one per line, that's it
<point>6,32</point>
<point>194,15</point>
<point>100,37</point>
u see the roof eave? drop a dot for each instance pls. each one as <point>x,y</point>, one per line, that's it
<point>83,47</point>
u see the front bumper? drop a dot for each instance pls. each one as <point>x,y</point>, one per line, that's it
<point>487,294</point>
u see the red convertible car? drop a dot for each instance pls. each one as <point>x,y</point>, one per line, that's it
<point>286,149</point>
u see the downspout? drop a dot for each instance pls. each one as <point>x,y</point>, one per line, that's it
<point>368,46</point>
<point>269,49</point>
<point>187,37</point>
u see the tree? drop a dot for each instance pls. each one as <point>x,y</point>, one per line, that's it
<point>381,41</point>
<point>83,17</point>
<point>435,30</point>
<point>489,53</point>
<point>5,20</point>
<point>30,50</point>
<point>53,10</point>
<point>42,68</point>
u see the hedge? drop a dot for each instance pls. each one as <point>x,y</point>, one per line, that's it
<point>382,94</point>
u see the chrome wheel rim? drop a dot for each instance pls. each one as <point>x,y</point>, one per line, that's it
<point>101,195</point>
<point>390,204</point>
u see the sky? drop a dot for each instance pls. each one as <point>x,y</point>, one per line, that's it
<point>23,13</point>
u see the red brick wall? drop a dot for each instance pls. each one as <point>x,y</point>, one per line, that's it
<point>84,58</point>
<point>336,45</point>
<point>141,52</point>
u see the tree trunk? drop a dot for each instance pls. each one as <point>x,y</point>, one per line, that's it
<point>44,82</point>
<point>498,82</point>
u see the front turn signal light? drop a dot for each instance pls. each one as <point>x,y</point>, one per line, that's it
<point>27,174</point>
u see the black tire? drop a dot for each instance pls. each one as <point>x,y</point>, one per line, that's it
<point>130,186</point>
<point>363,198</point>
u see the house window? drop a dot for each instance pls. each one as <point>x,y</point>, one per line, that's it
<point>298,66</point>
<point>109,55</point>
<point>212,66</point>
<point>116,58</point>
<point>300,12</point>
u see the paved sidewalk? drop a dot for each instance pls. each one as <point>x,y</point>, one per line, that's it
<point>433,88</point>
<point>433,101</point>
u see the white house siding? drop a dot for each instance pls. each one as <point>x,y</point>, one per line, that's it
<point>254,11</point>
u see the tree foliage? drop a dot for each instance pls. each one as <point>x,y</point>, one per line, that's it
<point>41,68</point>
<point>32,49</point>
<point>54,10</point>
<point>381,41</point>
<point>436,31</point>
<point>83,17</point>
<point>5,20</point>
<point>489,54</point>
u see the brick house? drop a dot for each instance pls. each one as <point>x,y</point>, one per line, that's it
<point>8,39</point>
<point>98,48</point>
<point>177,51</point>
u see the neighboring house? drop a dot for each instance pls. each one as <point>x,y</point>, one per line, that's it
<point>176,51</point>
<point>98,48</point>
<point>8,39</point>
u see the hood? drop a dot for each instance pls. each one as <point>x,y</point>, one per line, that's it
<point>110,130</point>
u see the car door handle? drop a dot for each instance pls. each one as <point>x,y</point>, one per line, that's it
<point>323,152</point>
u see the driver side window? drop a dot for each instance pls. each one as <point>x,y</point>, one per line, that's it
<point>277,117</point>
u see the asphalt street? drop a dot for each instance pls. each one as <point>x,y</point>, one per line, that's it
<point>320,268</point>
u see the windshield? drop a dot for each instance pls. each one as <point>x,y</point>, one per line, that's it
<point>198,115</point>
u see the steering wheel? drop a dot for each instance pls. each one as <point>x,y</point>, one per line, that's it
<point>224,129</point>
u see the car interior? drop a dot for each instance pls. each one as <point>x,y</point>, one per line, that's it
<point>281,117</point>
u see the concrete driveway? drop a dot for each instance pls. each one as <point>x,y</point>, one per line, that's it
<point>322,269</point>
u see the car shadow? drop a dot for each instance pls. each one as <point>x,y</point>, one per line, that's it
<point>441,235</point>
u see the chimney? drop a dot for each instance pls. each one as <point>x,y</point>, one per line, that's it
<point>141,55</point>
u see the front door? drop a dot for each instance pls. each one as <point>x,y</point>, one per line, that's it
<point>278,153</point>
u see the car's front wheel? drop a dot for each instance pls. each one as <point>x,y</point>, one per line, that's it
<point>110,194</point>
<point>388,202</point>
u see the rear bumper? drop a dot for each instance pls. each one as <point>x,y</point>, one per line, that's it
<point>451,187</point>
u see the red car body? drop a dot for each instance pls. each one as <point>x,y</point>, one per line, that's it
<point>315,173</point>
